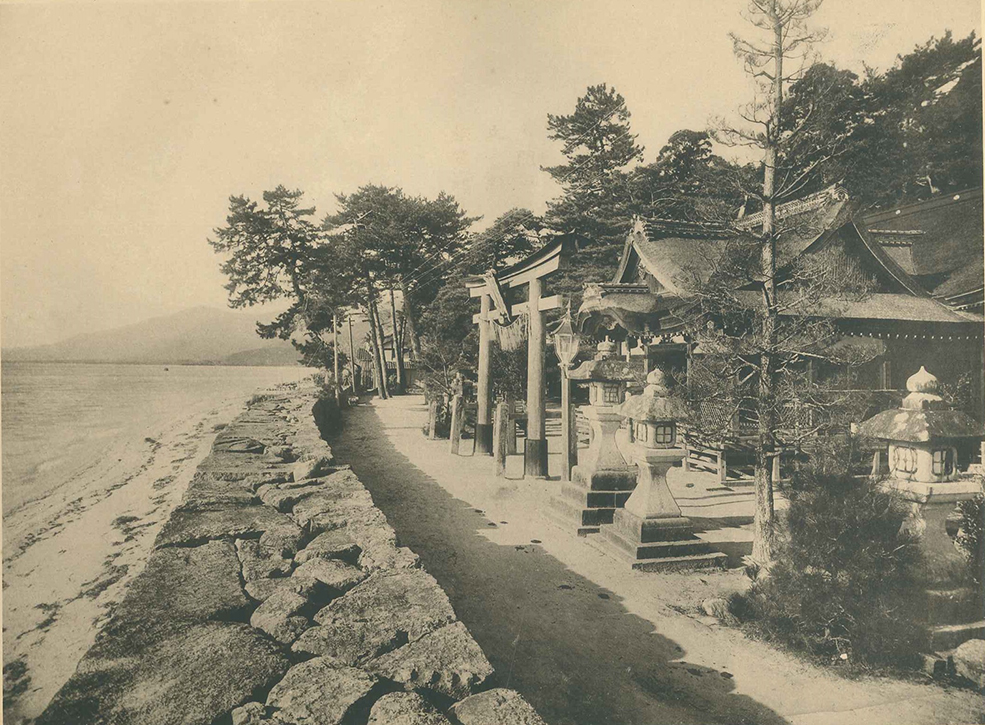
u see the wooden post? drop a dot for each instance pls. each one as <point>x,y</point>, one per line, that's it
<point>722,466</point>
<point>776,468</point>
<point>511,427</point>
<point>483,393</point>
<point>335,358</point>
<point>567,426</point>
<point>501,437</point>
<point>535,448</point>
<point>457,418</point>
<point>433,420</point>
<point>876,463</point>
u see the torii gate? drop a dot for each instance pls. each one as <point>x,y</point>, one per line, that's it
<point>488,288</point>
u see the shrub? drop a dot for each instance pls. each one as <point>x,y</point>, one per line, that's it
<point>844,581</point>
<point>327,415</point>
<point>971,537</point>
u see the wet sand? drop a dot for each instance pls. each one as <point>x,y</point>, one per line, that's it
<point>68,557</point>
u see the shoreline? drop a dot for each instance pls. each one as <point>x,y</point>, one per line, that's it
<point>70,554</point>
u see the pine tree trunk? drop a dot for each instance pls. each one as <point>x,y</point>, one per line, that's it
<point>415,340</point>
<point>764,526</point>
<point>398,349</point>
<point>381,345</point>
<point>375,342</point>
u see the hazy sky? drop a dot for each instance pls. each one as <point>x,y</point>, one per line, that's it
<point>125,127</point>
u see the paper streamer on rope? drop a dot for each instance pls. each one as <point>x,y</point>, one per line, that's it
<point>513,334</point>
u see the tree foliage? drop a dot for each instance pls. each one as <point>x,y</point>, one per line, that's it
<point>896,136</point>
<point>595,202</point>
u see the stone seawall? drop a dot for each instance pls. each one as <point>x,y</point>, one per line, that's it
<point>278,593</point>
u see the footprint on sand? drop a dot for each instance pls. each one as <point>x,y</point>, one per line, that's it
<point>493,525</point>
<point>535,541</point>
<point>504,522</point>
<point>603,595</point>
<point>565,586</point>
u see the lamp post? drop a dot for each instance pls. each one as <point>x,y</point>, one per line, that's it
<point>566,347</point>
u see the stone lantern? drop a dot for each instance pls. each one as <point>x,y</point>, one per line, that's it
<point>922,434</point>
<point>650,530</point>
<point>923,437</point>
<point>603,479</point>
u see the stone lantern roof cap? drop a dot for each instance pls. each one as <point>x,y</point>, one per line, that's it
<point>654,404</point>
<point>923,417</point>
<point>611,370</point>
<point>921,426</point>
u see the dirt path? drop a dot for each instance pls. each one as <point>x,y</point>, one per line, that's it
<point>584,640</point>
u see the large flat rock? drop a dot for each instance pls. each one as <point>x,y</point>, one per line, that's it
<point>496,707</point>
<point>193,526</point>
<point>335,544</point>
<point>337,576</point>
<point>260,562</point>
<point>207,492</point>
<point>231,440</point>
<point>187,584</point>
<point>405,708</point>
<point>319,692</point>
<point>447,661</point>
<point>193,678</point>
<point>379,615</point>
<point>280,616</point>
<point>263,589</point>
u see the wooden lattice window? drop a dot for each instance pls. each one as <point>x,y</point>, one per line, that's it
<point>610,394</point>
<point>904,459</point>
<point>943,462</point>
<point>664,434</point>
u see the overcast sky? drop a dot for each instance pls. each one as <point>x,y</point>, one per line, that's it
<point>125,127</point>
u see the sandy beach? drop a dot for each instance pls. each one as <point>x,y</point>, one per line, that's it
<point>68,557</point>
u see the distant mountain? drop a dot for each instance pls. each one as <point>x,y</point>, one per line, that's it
<point>203,335</point>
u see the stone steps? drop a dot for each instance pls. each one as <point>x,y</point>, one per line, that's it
<point>673,548</point>
<point>945,637</point>
<point>594,499</point>
<point>950,606</point>
<point>685,547</point>
<point>572,517</point>
<point>681,563</point>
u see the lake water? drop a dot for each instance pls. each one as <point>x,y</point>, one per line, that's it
<point>58,419</point>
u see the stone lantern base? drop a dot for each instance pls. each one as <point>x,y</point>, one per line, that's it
<point>955,612</point>
<point>650,532</point>
<point>600,483</point>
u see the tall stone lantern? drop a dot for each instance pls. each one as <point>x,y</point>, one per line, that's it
<point>650,530</point>
<point>923,437</point>
<point>603,479</point>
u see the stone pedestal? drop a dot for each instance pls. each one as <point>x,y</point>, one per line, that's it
<point>955,612</point>
<point>602,480</point>
<point>649,531</point>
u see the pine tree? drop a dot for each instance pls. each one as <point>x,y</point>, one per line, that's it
<point>595,204</point>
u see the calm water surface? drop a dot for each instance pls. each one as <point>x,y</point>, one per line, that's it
<point>60,418</point>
